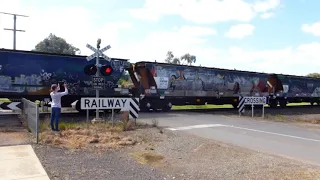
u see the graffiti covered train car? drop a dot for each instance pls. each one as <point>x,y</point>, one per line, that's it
<point>164,85</point>
<point>30,75</point>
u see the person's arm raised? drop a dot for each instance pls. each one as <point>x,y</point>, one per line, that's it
<point>65,90</point>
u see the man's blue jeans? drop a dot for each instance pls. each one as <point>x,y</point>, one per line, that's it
<point>55,117</point>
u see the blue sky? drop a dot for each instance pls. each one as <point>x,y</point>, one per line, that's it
<point>278,36</point>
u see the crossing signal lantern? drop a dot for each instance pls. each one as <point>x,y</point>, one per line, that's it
<point>106,70</point>
<point>90,69</point>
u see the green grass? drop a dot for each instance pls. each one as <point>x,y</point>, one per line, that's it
<point>45,125</point>
<point>208,106</point>
<point>212,106</point>
<point>298,104</point>
<point>4,100</point>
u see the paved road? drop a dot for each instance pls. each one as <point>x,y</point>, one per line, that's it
<point>287,140</point>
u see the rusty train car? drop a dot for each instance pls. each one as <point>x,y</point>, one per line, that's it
<point>163,85</point>
<point>29,74</point>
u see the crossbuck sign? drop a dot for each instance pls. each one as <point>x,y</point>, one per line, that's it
<point>251,101</point>
<point>98,52</point>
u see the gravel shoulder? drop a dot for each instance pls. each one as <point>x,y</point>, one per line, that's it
<point>61,163</point>
<point>161,154</point>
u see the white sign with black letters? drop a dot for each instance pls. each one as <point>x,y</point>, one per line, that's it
<point>125,104</point>
<point>105,103</point>
<point>255,100</point>
<point>251,101</point>
<point>98,82</point>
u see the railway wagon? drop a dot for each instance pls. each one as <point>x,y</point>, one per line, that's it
<point>163,85</point>
<point>30,75</point>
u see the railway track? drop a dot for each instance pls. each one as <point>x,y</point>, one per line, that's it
<point>290,109</point>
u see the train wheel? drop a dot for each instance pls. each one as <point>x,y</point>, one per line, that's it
<point>235,105</point>
<point>166,109</point>
<point>273,104</point>
<point>78,107</point>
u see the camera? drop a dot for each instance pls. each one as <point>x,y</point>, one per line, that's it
<point>61,85</point>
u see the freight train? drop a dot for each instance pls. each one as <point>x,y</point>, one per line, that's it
<point>30,74</point>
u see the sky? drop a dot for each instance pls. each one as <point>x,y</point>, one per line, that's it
<point>272,36</point>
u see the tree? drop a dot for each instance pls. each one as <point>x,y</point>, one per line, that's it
<point>314,75</point>
<point>187,58</point>
<point>57,45</point>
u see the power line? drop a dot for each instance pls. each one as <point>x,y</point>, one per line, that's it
<point>14,27</point>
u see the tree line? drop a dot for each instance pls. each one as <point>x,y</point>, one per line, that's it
<point>58,45</point>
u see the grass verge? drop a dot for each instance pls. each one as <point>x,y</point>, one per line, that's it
<point>77,135</point>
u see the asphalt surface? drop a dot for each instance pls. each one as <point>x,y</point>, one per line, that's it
<point>287,140</point>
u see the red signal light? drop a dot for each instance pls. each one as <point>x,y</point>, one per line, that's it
<point>106,70</point>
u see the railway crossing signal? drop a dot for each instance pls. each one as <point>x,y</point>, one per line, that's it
<point>98,52</point>
<point>97,81</point>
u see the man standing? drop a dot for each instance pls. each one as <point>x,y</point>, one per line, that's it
<point>56,105</point>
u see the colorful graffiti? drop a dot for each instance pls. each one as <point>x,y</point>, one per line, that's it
<point>33,74</point>
<point>186,81</point>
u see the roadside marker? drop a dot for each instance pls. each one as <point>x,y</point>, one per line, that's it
<point>196,127</point>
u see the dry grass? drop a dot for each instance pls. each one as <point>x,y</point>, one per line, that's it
<point>148,157</point>
<point>77,135</point>
<point>308,118</point>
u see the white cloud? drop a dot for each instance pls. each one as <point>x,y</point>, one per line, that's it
<point>78,28</point>
<point>240,31</point>
<point>299,60</point>
<point>264,6</point>
<point>75,24</point>
<point>204,11</point>
<point>313,28</point>
<point>266,15</point>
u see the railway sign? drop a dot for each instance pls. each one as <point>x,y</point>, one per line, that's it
<point>11,105</point>
<point>98,52</point>
<point>251,101</point>
<point>125,104</point>
<point>255,100</point>
<point>98,83</point>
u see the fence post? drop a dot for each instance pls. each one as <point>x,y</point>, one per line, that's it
<point>37,123</point>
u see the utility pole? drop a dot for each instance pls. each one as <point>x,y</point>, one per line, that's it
<point>14,27</point>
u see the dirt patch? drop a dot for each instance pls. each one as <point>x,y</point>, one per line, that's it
<point>147,157</point>
<point>9,138</point>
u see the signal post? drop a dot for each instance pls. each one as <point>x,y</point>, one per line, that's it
<point>98,82</point>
